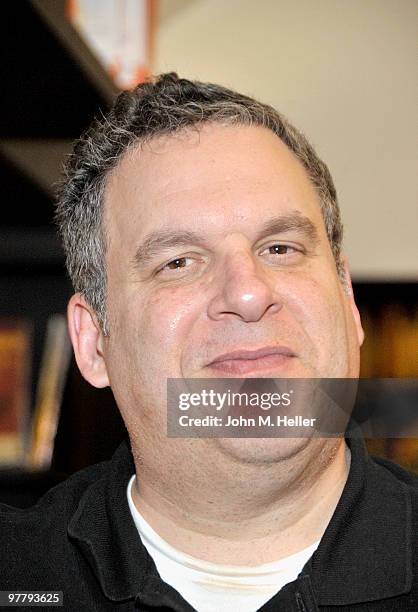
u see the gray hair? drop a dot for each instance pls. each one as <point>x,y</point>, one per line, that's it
<point>160,106</point>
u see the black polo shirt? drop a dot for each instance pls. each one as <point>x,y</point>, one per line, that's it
<point>80,538</point>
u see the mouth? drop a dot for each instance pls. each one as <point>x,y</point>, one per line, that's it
<point>239,362</point>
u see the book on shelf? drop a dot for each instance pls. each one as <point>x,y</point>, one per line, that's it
<point>15,360</point>
<point>50,388</point>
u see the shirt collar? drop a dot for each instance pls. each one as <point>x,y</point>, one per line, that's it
<point>355,561</point>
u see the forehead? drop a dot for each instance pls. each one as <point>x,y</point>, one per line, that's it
<point>217,176</point>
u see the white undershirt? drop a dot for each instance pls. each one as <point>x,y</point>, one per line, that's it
<point>211,587</point>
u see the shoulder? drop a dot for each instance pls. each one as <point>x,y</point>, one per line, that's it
<point>34,540</point>
<point>410,479</point>
<point>391,479</point>
<point>383,492</point>
<point>59,500</point>
<point>38,547</point>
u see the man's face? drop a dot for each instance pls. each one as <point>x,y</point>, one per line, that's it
<point>217,246</point>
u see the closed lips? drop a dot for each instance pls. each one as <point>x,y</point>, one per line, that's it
<point>252,355</point>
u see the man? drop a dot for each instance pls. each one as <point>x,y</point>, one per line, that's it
<point>203,238</point>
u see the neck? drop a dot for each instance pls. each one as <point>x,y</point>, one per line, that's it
<point>245,514</point>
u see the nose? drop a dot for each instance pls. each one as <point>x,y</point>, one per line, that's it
<point>243,291</point>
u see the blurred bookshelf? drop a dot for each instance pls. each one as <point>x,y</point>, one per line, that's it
<point>41,112</point>
<point>15,341</point>
<point>389,313</point>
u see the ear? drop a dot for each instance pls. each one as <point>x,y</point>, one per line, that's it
<point>87,339</point>
<point>353,306</point>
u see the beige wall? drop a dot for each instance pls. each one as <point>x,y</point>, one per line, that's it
<point>344,71</point>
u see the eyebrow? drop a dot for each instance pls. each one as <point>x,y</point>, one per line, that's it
<point>293,221</point>
<point>160,240</point>
<point>156,242</point>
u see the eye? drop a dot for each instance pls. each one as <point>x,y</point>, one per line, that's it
<point>180,262</point>
<point>281,249</point>
<point>176,264</point>
<point>281,254</point>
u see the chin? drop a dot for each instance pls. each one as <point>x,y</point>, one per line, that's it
<point>262,450</point>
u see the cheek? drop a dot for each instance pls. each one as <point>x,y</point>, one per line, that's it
<point>313,302</point>
<point>146,341</point>
<point>165,320</point>
<point>319,311</point>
